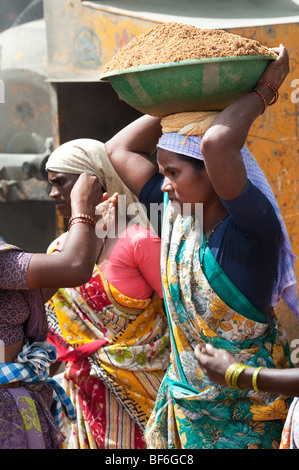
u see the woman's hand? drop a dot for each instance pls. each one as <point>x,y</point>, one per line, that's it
<point>86,193</point>
<point>214,362</point>
<point>278,69</point>
<point>105,215</point>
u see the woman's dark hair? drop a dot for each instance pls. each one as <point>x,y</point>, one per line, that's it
<point>195,162</point>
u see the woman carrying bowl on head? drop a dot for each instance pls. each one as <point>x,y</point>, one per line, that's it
<point>222,282</point>
<point>112,331</point>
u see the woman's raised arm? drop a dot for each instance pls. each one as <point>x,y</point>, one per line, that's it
<point>73,265</point>
<point>227,134</point>
<point>130,152</point>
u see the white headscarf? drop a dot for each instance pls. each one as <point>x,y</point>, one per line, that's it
<point>89,156</point>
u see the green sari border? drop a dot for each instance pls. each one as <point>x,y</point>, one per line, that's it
<point>178,361</point>
<point>179,365</point>
<point>221,284</point>
<point>224,287</point>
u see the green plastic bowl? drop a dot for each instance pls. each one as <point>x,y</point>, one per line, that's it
<point>191,85</point>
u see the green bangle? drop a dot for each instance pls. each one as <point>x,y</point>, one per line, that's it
<point>254,379</point>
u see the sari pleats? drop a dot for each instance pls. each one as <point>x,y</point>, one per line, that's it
<point>113,387</point>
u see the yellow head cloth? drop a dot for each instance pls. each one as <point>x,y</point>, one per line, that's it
<point>191,123</point>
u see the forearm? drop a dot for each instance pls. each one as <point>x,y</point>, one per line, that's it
<point>78,253</point>
<point>69,268</point>
<point>280,381</point>
<point>221,368</point>
<point>73,265</point>
<point>221,145</point>
<point>131,149</point>
<point>236,120</point>
<point>226,136</point>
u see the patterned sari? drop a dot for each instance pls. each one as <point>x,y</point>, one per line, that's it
<point>117,353</point>
<point>190,411</point>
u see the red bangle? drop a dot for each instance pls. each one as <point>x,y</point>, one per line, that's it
<point>80,221</point>
<point>84,217</point>
<point>273,88</point>
<point>263,98</point>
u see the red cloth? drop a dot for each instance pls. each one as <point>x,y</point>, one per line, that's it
<point>132,267</point>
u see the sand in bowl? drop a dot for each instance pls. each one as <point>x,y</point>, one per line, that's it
<point>175,42</point>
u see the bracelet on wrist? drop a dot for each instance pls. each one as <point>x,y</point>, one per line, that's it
<point>84,217</point>
<point>254,379</point>
<point>80,221</point>
<point>232,374</point>
<point>263,98</point>
<point>273,88</point>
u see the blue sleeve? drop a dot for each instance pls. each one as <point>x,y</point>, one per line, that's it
<point>253,213</point>
<point>152,191</point>
<point>246,245</point>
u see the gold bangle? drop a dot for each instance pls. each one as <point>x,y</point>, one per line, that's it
<point>238,371</point>
<point>232,374</point>
<point>254,379</point>
<point>229,373</point>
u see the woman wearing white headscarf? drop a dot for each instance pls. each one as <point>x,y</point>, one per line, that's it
<point>89,156</point>
<point>112,331</point>
<point>221,275</point>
